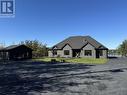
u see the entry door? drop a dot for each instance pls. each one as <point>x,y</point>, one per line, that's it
<point>76,53</point>
<point>97,54</point>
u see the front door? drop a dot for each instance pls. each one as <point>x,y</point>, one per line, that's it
<point>76,53</point>
<point>97,54</point>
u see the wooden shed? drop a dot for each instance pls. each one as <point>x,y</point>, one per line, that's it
<point>16,52</point>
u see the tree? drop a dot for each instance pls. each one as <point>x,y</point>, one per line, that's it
<point>122,49</point>
<point>39,50</point>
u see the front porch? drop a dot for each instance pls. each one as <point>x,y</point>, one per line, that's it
<point>76,53</point>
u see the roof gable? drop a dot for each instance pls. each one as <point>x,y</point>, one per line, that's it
<point>55,47</point>
<point>88,46</point>
<point>65,46</point>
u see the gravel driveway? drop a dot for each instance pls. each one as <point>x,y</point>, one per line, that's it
<point>37,78</point>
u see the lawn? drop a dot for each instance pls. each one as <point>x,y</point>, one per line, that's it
<point>76,60</point>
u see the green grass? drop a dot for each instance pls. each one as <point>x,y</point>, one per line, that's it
<point>88,60</point>
<point>76,60</point>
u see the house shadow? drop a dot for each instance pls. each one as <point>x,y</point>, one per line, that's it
<point>112,57</point>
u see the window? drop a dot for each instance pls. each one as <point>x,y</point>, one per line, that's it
<point>88,53</point>
<point>66,52</point>
<point>101,52</point>
<point>54,52</point>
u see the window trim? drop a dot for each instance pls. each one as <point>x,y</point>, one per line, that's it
<point>66,52</point>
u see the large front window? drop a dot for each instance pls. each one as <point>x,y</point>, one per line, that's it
<point>66,52</point>
<point>88,52</point>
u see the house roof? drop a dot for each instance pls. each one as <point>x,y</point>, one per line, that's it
<point>78,42</point>
<point>12,47</point>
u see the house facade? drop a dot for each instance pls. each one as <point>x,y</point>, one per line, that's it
<point>79,46</point>
<point>15,52</point>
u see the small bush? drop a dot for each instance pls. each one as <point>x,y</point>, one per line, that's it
<point>62,60</point>
<point>53,60</point>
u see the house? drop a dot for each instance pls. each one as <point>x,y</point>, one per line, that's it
<point>16,52</point>
<point>79,46</point>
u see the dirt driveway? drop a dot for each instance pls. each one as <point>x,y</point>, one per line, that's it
<point>36,78</point>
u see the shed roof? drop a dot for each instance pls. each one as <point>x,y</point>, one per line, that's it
<point>13,47</point>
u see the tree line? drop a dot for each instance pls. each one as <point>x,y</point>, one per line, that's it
<point>39,49</point>
<point>122,48</point>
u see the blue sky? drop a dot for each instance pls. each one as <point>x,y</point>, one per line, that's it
<point>51,21</point>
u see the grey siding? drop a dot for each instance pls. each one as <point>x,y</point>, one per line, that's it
<point>88,47</point>
<point>50,53</point>
<point>60,53</point>
<point>67,47</point>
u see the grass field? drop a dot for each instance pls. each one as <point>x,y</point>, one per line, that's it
<point>75,60</point>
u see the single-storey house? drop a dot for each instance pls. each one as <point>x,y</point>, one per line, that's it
<point>79,46</point>
<point>16,52</point>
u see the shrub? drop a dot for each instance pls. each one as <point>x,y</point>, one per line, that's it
<point>53,60</point>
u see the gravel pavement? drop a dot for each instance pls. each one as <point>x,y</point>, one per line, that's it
<point>37,78</point>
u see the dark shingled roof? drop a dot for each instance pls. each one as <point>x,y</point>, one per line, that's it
<point>12,47</point>
<point>78,42</point>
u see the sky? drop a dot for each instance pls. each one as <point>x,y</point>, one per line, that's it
<point>51,21</point>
